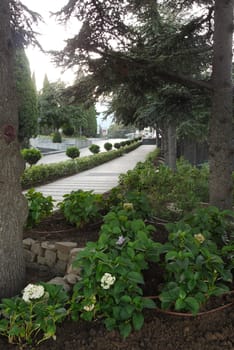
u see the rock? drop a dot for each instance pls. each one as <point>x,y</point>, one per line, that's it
<point>75,251</point>
<point>41,260</point>
<point>28,242</point>
<point>73,270</point>
<point>62,256</point>
<point>71,278</point>
<point>50,257</point>
<point>48,246</point>
<point>29,256</point>
<point>65,247</point>
<point>60,267</point>
<point>60,282</point>
<point>36,248</point>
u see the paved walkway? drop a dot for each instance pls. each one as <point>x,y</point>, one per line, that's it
<point>99,179</point>
<point>61,156</point>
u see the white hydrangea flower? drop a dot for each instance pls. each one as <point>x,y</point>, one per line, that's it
<point>89,307</point>
<point>107,280</point>
<point>33,291</point>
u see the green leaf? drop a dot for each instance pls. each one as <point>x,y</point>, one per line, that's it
<point>148,303</point>
<point>126,312</point>
<point>3,325</point>
<point>180,304</point>
<point>110,323</point>
<point>192,304</point>
<point>221,289</point>
<point>125,329</point>
<point>182,294</point>
<point>126,299</point>
<point>119,287</point>
<point>137,320</point>
<point>135,277</point>
<point>171,255</point>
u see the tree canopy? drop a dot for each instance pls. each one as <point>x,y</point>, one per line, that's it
<point>142,45</point>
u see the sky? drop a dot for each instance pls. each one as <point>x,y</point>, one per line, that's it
<point>52,37</point>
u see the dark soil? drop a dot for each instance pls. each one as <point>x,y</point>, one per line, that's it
<point>161,331</point>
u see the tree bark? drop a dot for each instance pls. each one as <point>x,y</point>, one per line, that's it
<point>13,208</point>
<point>220,137</point>
<point>172,146</point>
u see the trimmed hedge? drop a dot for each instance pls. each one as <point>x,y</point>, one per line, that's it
<point>45,173</point>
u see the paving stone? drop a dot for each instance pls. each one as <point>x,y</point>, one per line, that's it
<point>106,175</point>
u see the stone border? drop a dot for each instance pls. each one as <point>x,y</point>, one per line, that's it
<point>57,256</point>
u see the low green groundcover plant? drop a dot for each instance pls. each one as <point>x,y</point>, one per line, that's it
<point>33,318</point>
<point>81,207</point>
<point>39,207</point>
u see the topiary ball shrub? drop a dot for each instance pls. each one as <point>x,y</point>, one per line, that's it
<point>94,149</point>
<point>117,145</point>
<point>73,152</point>
<point>57,138</point>
<point>108,146</point>
<point>31,155</point>
<point>68,130</point>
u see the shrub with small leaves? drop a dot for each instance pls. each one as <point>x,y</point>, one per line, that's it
<point>117,145</point>
<point>73,152</point>
<point>108,146</point>
<point>94,149</point>
<point>31,155</point>
<point>68,130</point>
<point>57,138</point>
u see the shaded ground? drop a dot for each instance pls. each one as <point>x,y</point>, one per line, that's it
<point>161,331</point>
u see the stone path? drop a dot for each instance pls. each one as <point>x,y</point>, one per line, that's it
<point>99,179</point>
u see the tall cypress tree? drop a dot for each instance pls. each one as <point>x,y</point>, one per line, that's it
<point>27,99</point>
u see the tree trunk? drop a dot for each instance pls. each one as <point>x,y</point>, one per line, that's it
<point>220,138</point>
<point>13,209</point>
<point>172,146</point>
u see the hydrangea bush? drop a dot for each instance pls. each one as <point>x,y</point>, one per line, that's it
<point>32,318</point>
